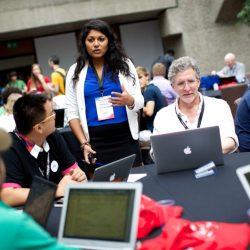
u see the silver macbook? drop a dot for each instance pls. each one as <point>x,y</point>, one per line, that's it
<point>187,149</point>
<point>243,174</point>
<point>100,215</point>
<point>115,171</point>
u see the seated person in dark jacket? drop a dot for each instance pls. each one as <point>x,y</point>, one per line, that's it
<point>18,230</point>
<point>242,123</point>
<point>153,98</point>
<point>37,149</point>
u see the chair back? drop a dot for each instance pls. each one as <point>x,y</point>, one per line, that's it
<point>231,93</point>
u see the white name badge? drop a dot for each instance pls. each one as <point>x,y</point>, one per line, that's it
<point>104,108</point>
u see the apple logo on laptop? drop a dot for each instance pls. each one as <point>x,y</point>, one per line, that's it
<point>112,177</point>
<point>187,150</point>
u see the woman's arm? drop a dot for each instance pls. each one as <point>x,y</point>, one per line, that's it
<point>76,128</point>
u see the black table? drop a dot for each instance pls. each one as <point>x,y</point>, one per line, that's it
<point>219,197</point>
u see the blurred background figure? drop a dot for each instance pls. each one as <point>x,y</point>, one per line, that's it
<point>58,75</point>
<point>153,99</point>
<point>38,82</point>
<point>159,80</point>
<point>232,68</point>
<point>15,82</point>
<point>10,95</point>
<point>166,60</point>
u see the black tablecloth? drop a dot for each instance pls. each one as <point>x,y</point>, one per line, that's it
<point>220,197</point>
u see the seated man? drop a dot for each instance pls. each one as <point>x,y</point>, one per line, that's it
<point>153,99</point>
<point>242,123</point>
<point>15,82</point>
<point>18,230</point>
<point>232,68</point>
<point>159,80</point>
<point>37,149</point>
<point>192,110</point>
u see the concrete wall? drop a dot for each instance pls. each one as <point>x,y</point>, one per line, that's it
<point>64,46</point>
<point>198,28</point>
<point>142,42</point>
<point>49,16</point>
<point>200,36</point>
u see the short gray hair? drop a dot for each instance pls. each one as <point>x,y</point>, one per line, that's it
<point>181,64</point>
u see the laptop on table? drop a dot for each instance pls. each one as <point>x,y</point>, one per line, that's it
<point>187,149</point>
<point>100,215</point>
<point>40,199</point>
<point>115,171</point>
<point>243,174</point>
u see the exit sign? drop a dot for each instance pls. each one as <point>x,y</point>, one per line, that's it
<point>11,45</point>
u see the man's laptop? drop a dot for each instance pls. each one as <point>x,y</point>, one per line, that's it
<point>115,171</point>
<point>100,215</point>
<point>40,199</point>
<point>187,149</point>
<point>244,175</point>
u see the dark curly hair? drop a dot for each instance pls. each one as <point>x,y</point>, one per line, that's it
<point>115,57</point>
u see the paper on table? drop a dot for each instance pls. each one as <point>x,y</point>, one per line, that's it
<point>135,177</point>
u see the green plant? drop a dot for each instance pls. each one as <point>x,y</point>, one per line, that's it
<point>244,14</point>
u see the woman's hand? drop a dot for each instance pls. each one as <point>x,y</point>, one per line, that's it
<point>87,153</point>
<point>122,99</point>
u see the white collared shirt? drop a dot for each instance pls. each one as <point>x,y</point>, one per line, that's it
<point>216,113</point>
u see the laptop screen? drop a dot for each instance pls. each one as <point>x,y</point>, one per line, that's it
<point>98,211</point>
<point>100,215</point>
<point>244,176</point>
<point>40,199</point>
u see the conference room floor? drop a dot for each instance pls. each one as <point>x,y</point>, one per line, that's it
<point>220,197</point>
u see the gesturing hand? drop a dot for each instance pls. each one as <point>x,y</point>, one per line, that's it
<point>122,99</point>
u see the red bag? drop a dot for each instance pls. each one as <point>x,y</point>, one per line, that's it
<point>153,215</point>
<point>180,234</point>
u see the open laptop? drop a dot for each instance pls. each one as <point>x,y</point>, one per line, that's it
<point>59,120</point>
<point>226,80</point>
<point>187,149</point>
<point>244,176</point>
<point>115,171</point>
<point>100,215</point>
<point>40,199</point>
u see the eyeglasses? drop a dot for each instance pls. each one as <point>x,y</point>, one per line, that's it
<point>46,118</point>
<point>190,83</point>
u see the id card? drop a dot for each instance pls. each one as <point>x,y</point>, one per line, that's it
<point>104,108</point>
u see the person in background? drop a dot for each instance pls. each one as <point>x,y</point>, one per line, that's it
<point>58,75</point>
<point>39,83</point>
<point>192,110</point>
<point>103,96</point>
<point>232,68</point>
<point>14,82</point>
<point>10,96</point>
<point>159,80</point>
<point>166,60</point>
<point>242,122</point>
<point>37,149</point>
<point>19,230</point>
<point>153,99</point>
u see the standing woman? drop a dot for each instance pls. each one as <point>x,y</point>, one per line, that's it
<point>103,96</point>
<point>38,82</point>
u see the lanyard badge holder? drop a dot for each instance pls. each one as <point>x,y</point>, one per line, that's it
<point>205,170</point>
